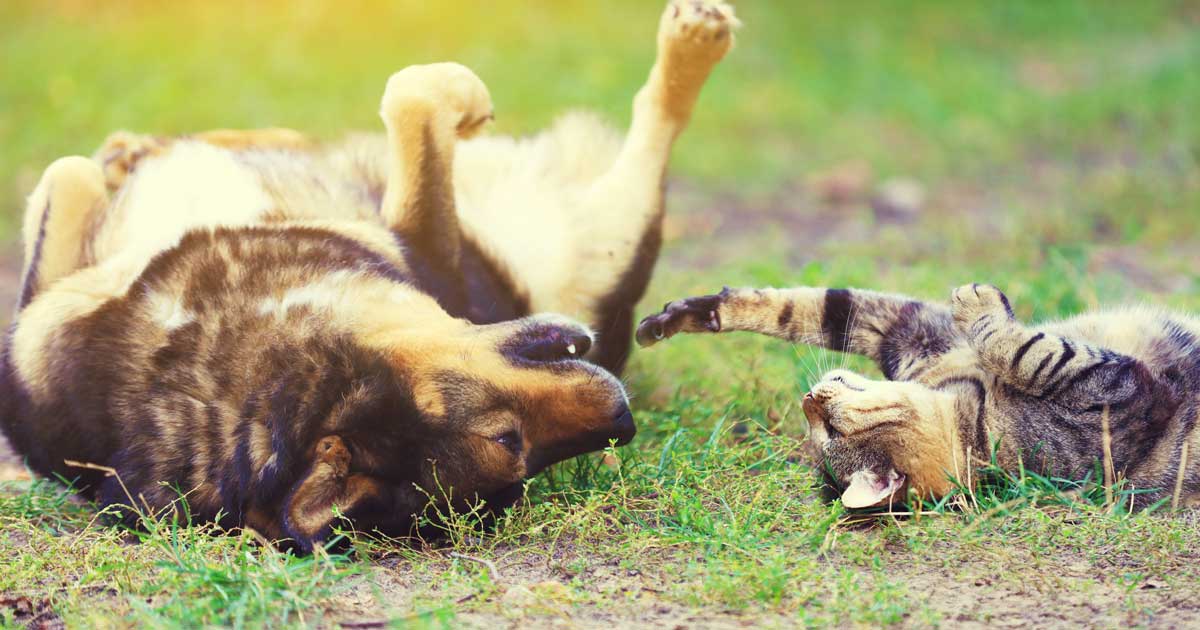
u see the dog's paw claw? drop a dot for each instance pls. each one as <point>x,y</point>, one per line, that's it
<point>701,25</point>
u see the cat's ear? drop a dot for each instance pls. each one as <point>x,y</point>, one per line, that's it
<point>867,488</point>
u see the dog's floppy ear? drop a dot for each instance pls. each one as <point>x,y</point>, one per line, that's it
<point>308,513</point>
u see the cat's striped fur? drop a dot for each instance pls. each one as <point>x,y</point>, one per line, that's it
<point>968,377</point>
<point>276,328</point>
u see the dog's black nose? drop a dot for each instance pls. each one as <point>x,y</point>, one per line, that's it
<point>620,429</point>
<point>624,427</point>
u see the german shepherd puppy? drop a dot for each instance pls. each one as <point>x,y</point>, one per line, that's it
<point>283,332</point>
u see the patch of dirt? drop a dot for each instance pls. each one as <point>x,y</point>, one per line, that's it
<point>989,585</point>
<point>534,589</point>
<point>31,613</point>
<point>1013,588</point>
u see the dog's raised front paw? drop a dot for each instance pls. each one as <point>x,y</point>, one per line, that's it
<point>697,28</point>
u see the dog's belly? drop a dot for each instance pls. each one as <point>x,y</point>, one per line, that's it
<point>525,201</point>
<point>527,232</point>
<point>192,185</point>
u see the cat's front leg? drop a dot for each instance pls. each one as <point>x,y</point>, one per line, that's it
<point>901,334</point>
<point>1033,361</point>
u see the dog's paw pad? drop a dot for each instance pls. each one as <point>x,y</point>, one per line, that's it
<point>700,26</point>
<point>452,89</point>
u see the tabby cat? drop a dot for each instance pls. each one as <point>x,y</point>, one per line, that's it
<point>964,379</point>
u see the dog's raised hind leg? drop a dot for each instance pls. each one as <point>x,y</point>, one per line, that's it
<point>425,110</point>
<point>624,225</point>
<point>57,220</point>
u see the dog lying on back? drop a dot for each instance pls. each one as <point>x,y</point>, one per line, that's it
<point>282,331</point>
<point>969,377</point>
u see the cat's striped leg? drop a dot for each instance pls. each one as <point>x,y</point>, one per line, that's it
<point>1079,393</point>
<point>1039,363</point>
<point>898,332</point>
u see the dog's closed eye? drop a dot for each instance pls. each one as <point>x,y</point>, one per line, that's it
<point>510,440</point>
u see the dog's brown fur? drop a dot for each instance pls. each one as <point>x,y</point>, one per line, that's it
<point>280,330</point>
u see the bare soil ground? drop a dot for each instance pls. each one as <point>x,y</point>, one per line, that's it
<point>999,587</point>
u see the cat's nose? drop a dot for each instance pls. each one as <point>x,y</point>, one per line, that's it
<point>818,425</point>
<point>821,394</point>
<point>814,407</point>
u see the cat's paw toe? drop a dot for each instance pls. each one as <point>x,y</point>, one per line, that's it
<point>694,314</point>
<point>974,302</point>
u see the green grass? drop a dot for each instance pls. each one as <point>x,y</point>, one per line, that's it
<point>163,574</point>
<point>1058,145</point>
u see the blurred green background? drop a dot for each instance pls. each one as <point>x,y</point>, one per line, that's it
<point>940,91</point>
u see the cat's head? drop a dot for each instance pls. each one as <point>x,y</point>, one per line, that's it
<point>879,438</point>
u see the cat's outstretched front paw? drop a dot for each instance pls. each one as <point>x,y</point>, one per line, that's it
<point>974,306</point>
<point>694,314</point>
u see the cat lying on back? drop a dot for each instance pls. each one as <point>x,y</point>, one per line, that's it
<point>964,378</point>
